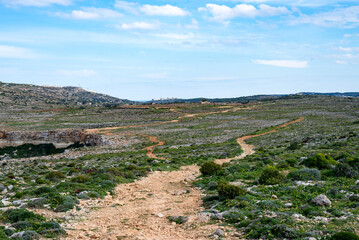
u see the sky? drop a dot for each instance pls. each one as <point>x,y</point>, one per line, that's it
<point>142,50</point>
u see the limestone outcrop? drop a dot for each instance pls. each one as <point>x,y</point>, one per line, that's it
<point>57,137</point>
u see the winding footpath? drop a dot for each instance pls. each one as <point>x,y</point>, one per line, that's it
<point>249,149</point>
<point>138,210</point>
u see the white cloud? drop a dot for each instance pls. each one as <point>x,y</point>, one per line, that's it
<point>77,73</point>
<point>15,52</point>
<point>223,12</point>
<point>175,36</point>
<point>151,10</point>
<point>90,13</point>
<point>283,63</point>
<point>349,49</point>
<point>298,3</point>
<point>37,3</point>
<point>165,10</point>
<point>138,25</point>
<point>127,6</point>
<point>340,17</point>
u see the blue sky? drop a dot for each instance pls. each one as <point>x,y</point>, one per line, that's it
<point>141,50</point>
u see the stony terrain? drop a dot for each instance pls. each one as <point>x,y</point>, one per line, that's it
<point>286,169</point>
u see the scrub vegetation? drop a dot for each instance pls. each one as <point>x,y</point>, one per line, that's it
<point>271,194</point>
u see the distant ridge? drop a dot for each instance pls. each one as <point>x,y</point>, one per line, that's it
<point>336,94</point>
<point>18,95</point>
<point>256,98</point>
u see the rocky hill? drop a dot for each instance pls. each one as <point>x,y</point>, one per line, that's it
<point>42,96</point>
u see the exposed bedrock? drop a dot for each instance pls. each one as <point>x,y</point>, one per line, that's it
<point>60,138</point>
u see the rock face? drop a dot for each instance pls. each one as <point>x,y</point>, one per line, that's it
<point>55,137</point>
<point>322,200</point>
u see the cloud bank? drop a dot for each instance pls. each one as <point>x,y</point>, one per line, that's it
<point>283,63</point>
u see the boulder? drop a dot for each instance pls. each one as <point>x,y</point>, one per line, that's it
<point>321,200</point>
<point>31,235</point>
<point>219,232</point>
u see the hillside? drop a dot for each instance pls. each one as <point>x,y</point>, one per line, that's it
<point>21,95</point>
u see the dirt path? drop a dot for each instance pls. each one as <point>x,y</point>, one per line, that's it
<point>138,210</point>
<point>150,149</point>
<point>249,149</point>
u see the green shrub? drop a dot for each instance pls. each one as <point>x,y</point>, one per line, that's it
<point>115,171</point>
<point>54,175</point>
<point>283,231</point>
<point>22,225</point>
<point>270,176</point>
<point>21,214</point>
<point>81,179</point>
<point>305,174</point>
<point>320,161</point>
<point>345,236</point>
<point>345,170</point>
<point>210,168</point>
<point>49,225</point>
<point>268,204</point>
<point>294,146</point>
<point>212,185</point>
<point>354,198</point>
<point>292,162</point>
<point>229,191</point>
<point>40,181</point>
<point>354,162</point>
<point>44,189</point>
<point>67,204</point>
<point>37,203</point>
<point>283,165</point>
<point>335,193</point>
<point>3,236</point>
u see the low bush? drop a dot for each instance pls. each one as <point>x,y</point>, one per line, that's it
<point>320,161</point>
<point>21,214</point>
<point>212,185</point>
<point>211,168</point>
<point>345,170</point>
<point>67,204</point>
<point>283,231</point>
<point>40,181</point>
<point>270,176</point>
<point>54,175</point>
<point>354,198</point>
<point>3,234</point>
<point>22,225</point>
<point>305,174</point>
<point>42,190</point>
<point>229,191</point>
<point>292,162</point>
<point>81,179</point>
<point>345,236</point>
<point>294,146</point>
